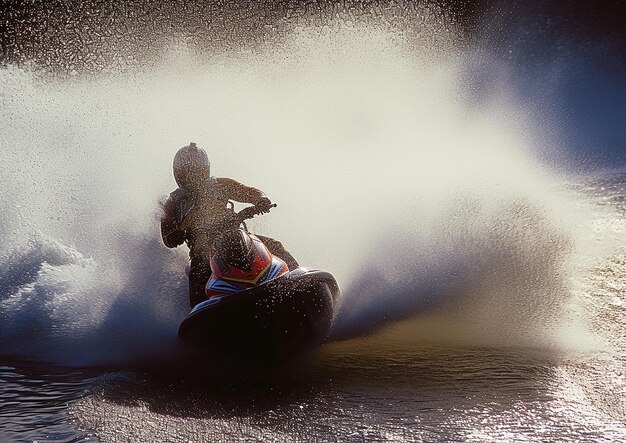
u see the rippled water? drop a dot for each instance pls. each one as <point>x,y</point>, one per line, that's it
<point>435,394</point>
<point>400,395</point>
<point>34,402</point>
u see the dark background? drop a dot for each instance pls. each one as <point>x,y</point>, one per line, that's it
<point>66,34</point>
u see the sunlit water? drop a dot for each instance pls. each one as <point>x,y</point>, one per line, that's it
<point>482,291</point>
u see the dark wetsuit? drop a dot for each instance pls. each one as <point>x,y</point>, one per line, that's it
<point>193,218</point>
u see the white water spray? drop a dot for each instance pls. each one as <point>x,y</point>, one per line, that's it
<point>417,201</point>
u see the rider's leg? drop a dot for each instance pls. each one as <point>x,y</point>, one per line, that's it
<point>277,248</point>
<point>199,274</point>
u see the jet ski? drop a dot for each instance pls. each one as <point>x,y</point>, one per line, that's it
<point>257,309</point>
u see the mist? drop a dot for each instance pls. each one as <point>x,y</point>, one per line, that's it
<point>422,202</point>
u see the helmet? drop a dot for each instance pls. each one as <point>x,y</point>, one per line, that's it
<point>191,166</point>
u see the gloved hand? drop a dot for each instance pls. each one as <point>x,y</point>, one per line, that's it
<point>264,205</point>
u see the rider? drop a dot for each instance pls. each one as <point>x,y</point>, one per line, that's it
<point>194,211</point>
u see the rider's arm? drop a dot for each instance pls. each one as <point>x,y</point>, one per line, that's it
<point>240,192</point>
<point>171,233</point>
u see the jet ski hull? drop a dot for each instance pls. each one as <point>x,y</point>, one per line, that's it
<point>270,322</point>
